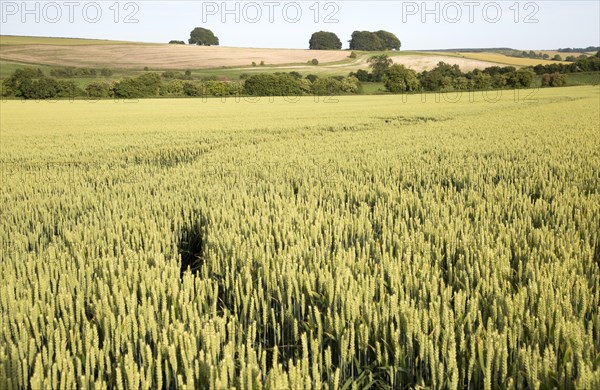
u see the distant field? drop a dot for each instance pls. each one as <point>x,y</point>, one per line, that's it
<point>503,59</point>
<point>588,78</point>
<point>552,53</point>
<point>7,68</point>
<point>130,58</point>
<point>159,56</point>
<point>420,62</point>
<point>17,40</point>
<point>224,61</point>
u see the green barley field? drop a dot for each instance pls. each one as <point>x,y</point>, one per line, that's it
<point>444,242</point>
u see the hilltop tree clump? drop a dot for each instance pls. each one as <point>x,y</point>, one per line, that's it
<point>324,40</point>
<point>374,41</point>
<point>203,37</point>
<point>365,40</point>
<point>388,40</point>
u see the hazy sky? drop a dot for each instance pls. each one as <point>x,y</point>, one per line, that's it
<point>419,25</point>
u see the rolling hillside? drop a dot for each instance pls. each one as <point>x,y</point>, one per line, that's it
<point>132,56</point>
<point>501,58</point>
<point>123,55</point>
<point>21,40</point>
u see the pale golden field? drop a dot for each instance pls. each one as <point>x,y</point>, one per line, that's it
<point>129,55</point>
<point>503,59</point>
<point>420,63</point>
<point>160,56</point>
<point>21,40</point>
<point>382,242</point>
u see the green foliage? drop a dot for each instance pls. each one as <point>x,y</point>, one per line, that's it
<point>323,40</point>
<point>314,61</point>
<point>461,83</point>
<point>499,81</point>
<point>557,57</point>
<point>203,37</point>
<point>365,40</point>
<point>192,89</point>
<point>590,78</point>
<point>144,85</point>
<point>212,88</point>
<point>481,80</point>
<point>379,65</point>
<point>445,77</point>
<point>388,40</point>
<point>211,77</point>
<point>222,88</point>
<point>496,70</point>
<point>399,79</point>
<point>172,87</point>
<point>29,83</point>
<point>579,49</point>
<point>265,84</point>
<point>173,75</point>
<point>440,78</point>
<point>295,75</point>
<point>312,77</point>
<point>522,78</point>
<point>554,80</point>
<point>99,90</point>
<point>353,55</point>
<point>374,41</point>
<point>292,84</point>
<point>327,86</point>
<point>12,85</point>
<point>73,72</point>
<point>524,54</point>
<point>581,64</point>
<point>105,72</point>
<point>362,75</point>
<point>175,42</point>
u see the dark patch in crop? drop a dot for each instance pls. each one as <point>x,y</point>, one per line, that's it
<point>169,157</point>
<point>415,120</point>
<point>192,246</point>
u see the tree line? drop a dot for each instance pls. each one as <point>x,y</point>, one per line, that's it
<point>321,40</point>
<point>445,77</point>
<point>361,40</point>
<point>581,64</point>
<point>30,83</point>
<point>579,49</point>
